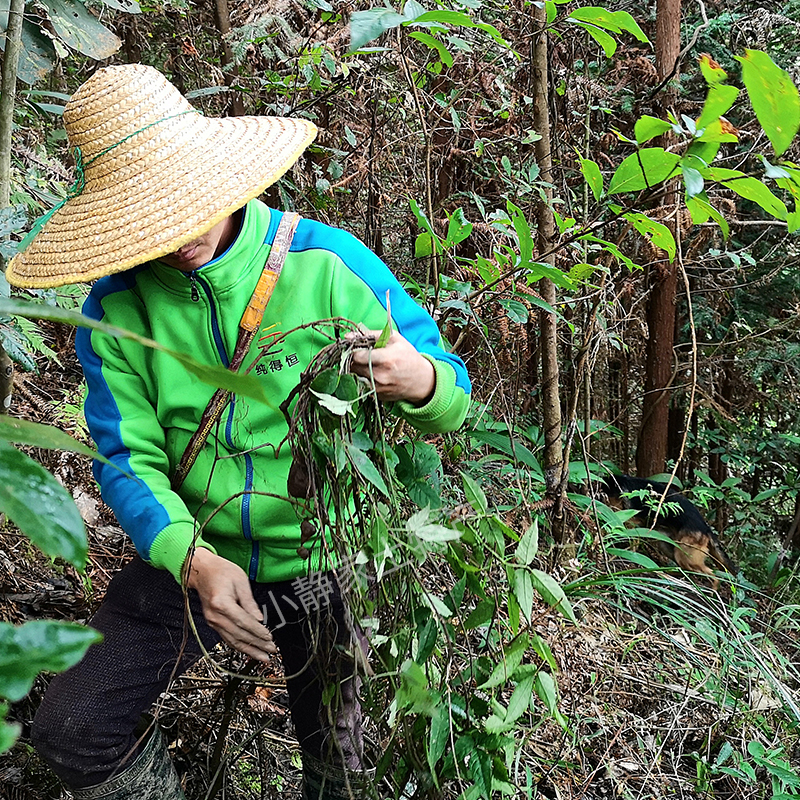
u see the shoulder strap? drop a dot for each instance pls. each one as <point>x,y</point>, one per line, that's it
<point>248,327</point>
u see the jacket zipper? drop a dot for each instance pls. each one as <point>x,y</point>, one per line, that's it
<point>247,529</point>
<point>195,293</point>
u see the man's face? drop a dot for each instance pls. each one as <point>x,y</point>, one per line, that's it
<point>204,248</point>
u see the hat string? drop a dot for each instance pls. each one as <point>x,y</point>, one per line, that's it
<point>79,183</point>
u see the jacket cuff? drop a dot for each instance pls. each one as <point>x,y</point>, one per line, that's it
<point>440,405</point>
<point>172,545</point>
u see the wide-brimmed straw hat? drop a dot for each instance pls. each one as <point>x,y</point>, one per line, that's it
<point>152,175</point>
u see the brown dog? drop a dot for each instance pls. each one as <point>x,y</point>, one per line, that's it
<point>695,540</point>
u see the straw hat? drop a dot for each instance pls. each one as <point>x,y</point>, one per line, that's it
<point>157,175</point>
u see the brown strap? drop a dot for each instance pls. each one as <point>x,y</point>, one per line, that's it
<point>248,327</point>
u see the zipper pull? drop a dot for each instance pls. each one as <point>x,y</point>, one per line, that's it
<point>195,293</point>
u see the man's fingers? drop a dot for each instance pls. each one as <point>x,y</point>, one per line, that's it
<point>244,597</point>
<point>226,612</point>
<point>241,630</point>
<point>229,606</point>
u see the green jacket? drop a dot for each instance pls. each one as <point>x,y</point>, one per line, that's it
<point>142,405</point>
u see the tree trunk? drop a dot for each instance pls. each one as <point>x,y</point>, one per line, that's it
<point>551,403</point>
<point>9,89</point>
<point>7,96</point>
<point>651,452</point>
<point>223,16</point>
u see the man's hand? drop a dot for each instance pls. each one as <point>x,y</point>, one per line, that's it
<point>399,371</point>
<point>228,604</point>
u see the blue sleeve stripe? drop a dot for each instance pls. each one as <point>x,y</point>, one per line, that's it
<point>141,516</point>
<point>413,322</point>
<point>274,219</point>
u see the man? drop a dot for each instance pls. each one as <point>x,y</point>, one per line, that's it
<point>163,212</point>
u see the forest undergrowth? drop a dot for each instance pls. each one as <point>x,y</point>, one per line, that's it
<point>661,687</point>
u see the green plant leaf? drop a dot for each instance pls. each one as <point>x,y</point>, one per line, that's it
<point>422,219</point>
<point>348,389</point>
<point>9,733</point>
<point>474,494</point>
<point>413,692</point>
<point>512,658</point>
<point>460,20</point>
<point>423,245</point>
<point>773,96</point>
<point>614,21</point>
<point>542,649</point>
<point>419,525</point>
<point>333,404</point>
<point>605,40</point>
<point>749,188</point>
<point>212,374</point>
<point>517,311</point>
<point>21,431</point>
<point>504,443</point>
<point>325,382</point>
<point>547,691</point>
<point>719,99</point>
<point>528,545</point>
<point>360,460</point>
<point>496,723</point>
<point>80,29</point>
<point>644,169</point>
<point>693,181</point>
<point>523,230</point>
<point>480,615</point>
<point>38,56</point>
<point>427,636</point>
<point>434,44</point>
<point>126,6</point>
<point>712,72</point>
<point>538,270</point>
<point>773,171</point>
<point>386,333</point>
<point>39,646</point>
<point>700,210</point>
<point>41,507</point>
<point>418,468</point>
<point>439,736</point>
<point>458,229</point>
<point>437,605</point>
<point>368,25</point>
<point>552,593</point>
<point>713,133</point>
<point>660,235</point>
<point>480,770</point>
<point>613,249</point>
<point>522,586</point>
<point>520,699</point>
<point>592,176</point>
<point>640,559</point>
<point>648,127</point>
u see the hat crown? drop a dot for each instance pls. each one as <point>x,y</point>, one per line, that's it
<point>152,174</point>
<point>117,103</point>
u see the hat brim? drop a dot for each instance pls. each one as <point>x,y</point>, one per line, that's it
<point>129,215</point>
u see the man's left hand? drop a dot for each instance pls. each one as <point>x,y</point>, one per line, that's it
<point>399,371</point>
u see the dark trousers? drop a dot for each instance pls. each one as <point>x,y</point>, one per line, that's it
<point>85,726</point>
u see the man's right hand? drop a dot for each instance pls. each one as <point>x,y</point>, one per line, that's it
<point>228,604</point>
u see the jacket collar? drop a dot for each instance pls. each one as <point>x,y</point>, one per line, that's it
<point>246,252</point>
